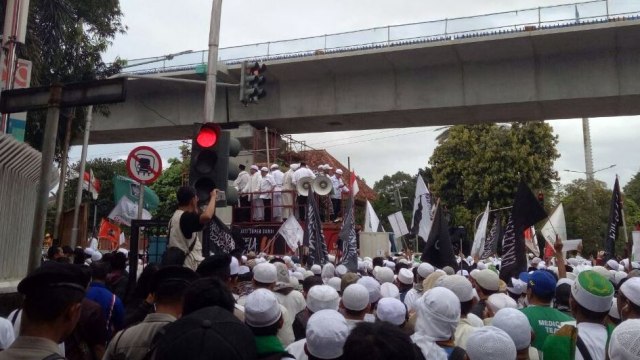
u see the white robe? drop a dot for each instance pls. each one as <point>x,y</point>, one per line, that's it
<point>253,186</point>
<point>287,196</point>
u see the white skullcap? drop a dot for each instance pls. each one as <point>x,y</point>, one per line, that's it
<point>438,314</point>
<point>448,270</point>
<point>535,260</point>
<point>481,265</point>
<point>516,324</point>
<point>631,290</point>
<point>339,171</point>
<point>331,258</point>
<point>517,286</point>
<point>613,312</point>
<point>565,281</point>
<point>372,286</point>
<point>321,297</point>
<point>243,270</point>
<point>294,167</point>
<point>341,270</point>
<point>487,279</point>
<point>464,273</point>
<point>459,285</point>
<point>592,291</point>
<point>244,259</point>
<point>298,275</point>
<point>384,274</point>
<point>327,167</point>
<point>490,342</point>
<point>618,276</point>
<point>541,265</point>
<point>234,266</point>
<point>611,263</point>
<point>573,261</point>
<point>474,272</point>
<point>405,276</point>
<point>261,308</point>
<point>308,274</point>
<point>316,269</point>
<point>274,166</point>
<point>293,281</point>
<point>571,276</point>
<point>123,251</point>
<point>255,167</point>
<point>287,259</point>
<point>499,301</point>
<point>390,264</point>
<point>625,341</point>
<point>391,310</point>
<point>264,168</point>
<point>389,290</point>
<point>355,297</point>
<point>603,271</point>
<point>327,331</point>
<point>265,273</point>
<point>328,270</point>
<point>335,282</point>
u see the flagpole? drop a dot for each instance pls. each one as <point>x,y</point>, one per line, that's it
<point>83,163</point>
<point>624,222</point>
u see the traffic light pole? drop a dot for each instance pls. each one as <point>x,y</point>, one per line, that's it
<point>212,63</point>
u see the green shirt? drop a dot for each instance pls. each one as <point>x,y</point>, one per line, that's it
<point>268,345</point>
<point>544,320</point>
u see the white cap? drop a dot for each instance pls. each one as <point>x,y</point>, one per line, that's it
<point>612,264</point>
<point>463,272</point>
<point>372,286</point>
<point>499,301</point>
<point>592,292</point>
<point>308,274</point>
<point>389,290</point>
<point>391,310</point>
<point>274,166</point>
<point>255,167</point>
<point>390,264</point>
<point>243,270</point>
<point>565,281</point>
<point>384,274</point>
<point>341,270</point>
<point>618,276</point>
<point>335,282</point>
<point>316,269</point>
<point>328,270</point>
<point>487,279</point>
<point>490,342</point>
<point>438,314</point>
<point>339,171</point>
<point>516,324</point>
<point>123,251</point>
<point>322,297</point>
<point>327,331</point>
<point>265,169</point>
<point>327,167</point>
<point>517,286</point>
<point>459,285</point>
<point>625,341</point>
<point>355,297</point>
<point>234,266</point>
<point>96,256</point>
<point>265,273</point>
<point>481,265</point>
<point>261,308</point>
<point>405,276</point>
<point>331,259</point>
<point>535,261</point>
<point>603,271</point>
<point>298,275</point>
<point>294,167</point>
<point>613,312</point>
<point>631,290</point>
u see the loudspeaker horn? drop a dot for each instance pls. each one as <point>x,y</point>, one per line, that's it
<point>303,186</point>
<point>322,185</point>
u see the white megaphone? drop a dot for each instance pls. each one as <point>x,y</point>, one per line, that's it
<point>322,185</point>
<point>303,186</point>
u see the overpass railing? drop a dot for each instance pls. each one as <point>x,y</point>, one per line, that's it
<point>590,12</point>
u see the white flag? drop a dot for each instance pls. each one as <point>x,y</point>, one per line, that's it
<point>481,234</point>
<point>555,226</point>
<point>398,224</point>
<point>371,221</point>
<point>126,210</point>
<point>421,221</point>
<point>292,232</point>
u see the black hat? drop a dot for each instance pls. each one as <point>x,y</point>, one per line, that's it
<point>170,274</point>
<point>52,274</point>
<point>208,331</point>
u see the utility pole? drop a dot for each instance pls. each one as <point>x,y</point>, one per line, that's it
<point>212,63</point>
<point>588,156</point>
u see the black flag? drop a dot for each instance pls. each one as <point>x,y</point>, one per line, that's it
<point>491,244</point>
<point>615,220</point>
<point>313,236</point>
<point>348,237</point>
<point>526,212</point>
<point>438,250</point>
<point>218,239</point>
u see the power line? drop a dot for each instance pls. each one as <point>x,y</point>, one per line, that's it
<point>380,138</point>
<point>353,137</point>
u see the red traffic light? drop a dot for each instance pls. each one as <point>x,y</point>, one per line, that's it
<point>208,135</point>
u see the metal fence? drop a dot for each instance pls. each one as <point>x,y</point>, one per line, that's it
<point>590,12</point>
<point>148,242</point>
<point>19,178</point>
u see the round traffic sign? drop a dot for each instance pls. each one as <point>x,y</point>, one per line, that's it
<point>144,164</point>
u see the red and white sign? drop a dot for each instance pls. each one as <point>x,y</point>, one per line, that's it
<point>144,164</point>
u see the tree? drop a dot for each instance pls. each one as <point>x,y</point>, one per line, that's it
<point>632,189</point>
<point>474,164</point>
<point>64,42</point>
<point>165,187</point>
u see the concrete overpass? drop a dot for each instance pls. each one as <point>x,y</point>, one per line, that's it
<point>570,72</point>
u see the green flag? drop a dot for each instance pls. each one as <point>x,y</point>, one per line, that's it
<point>123,186</point>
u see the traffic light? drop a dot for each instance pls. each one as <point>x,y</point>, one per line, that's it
<point>252,80</point>
<point>209,168</point>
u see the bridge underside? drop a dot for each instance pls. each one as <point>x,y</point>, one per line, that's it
<point>586,71</point>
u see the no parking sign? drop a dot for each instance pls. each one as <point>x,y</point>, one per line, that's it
<point>144,164</point>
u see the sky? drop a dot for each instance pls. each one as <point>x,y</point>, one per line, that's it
<point>159,27</point>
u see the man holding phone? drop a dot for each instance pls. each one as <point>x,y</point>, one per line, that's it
<point>185,246</point>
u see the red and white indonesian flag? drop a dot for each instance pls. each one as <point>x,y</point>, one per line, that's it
<point>353,183</point>
<point>91,184</point>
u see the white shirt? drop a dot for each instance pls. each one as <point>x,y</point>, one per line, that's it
<point>411,297</point>
<point>242,180</point>
<point>253,185</point>
<point>266,185</point>
<point>594,337</point>
<point>287,181</point>
<point>297,349</point>
<point>338,187</point>
<point>301,173</point>
<point>278,176</point>
<point>6,334</point>
<point>293,301</point>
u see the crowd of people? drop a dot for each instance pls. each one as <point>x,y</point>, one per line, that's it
<point>268,194</point>
<point>267,307</point>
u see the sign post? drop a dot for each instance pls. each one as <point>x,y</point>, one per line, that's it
<point>144,165</point>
